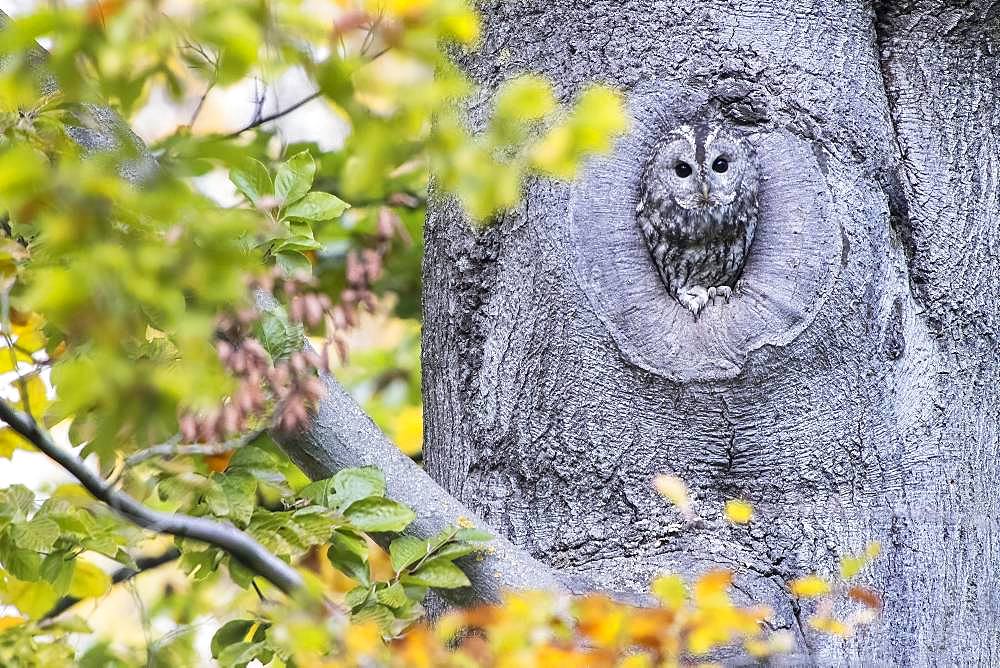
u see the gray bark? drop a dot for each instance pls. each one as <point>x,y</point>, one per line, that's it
<point>850,398</point>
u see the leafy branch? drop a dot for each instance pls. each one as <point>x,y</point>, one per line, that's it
<point>245,549</point>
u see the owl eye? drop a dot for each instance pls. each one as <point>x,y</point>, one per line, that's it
<point>682,169</point>
<point>720,165</point>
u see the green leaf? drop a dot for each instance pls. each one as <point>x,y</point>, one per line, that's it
<point>252,180</point>
<point>474,535</point>
<point>280,338</point>
<point>319,492</point>
<point>440,538</point>
<point>242,653</point>
<point>240,490</point>
<point>236,631</point>
<point>379,614</point>
<point>294,178</point>
<point>379,514</point>
<point>348,553</point>
<point>452,551</point>
<point>292,533</point>
<point>352,485</point>
<point>240,574</point>
<point>406,551</point>
<point>23,564</point>
<point>199,564</point>
<point>439,573</point>
<point>182,489</point>
<point>293,263</point>
<point>296,243</point>
<point>215,499</point>
<point>357,596</point>
<point>20,498</point>
<point>346,487</point>
<point>57,570</point>
<point>393,596</point>
<point>317,207</point>
<point>40,534</point>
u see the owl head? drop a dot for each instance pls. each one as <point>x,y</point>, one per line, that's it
<point>701,166</point>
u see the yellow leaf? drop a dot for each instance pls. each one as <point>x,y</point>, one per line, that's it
<point>738,512</point>
<point>674,490</point>
<point>405,8</point>
<point>602,111</point>
<point>88,581</point>
<point>670,591</point>
<point>552,155</point>
<point>850,566</point>
<point>525,98</point>
<point>32,394</point>
<point>28,332</point>
<point>873,549</point>
<point>32,598</point>
<point>834,627</point>
<point>10,441</point>
<point>461,26</point>
<point>408,430</point>
<point>10,622</point>
<point>636,661</point>
<point>811,586</point>
<point>711,584</point>
<point>706,637</point>
<point>605,625</point>
<point>363,639</point>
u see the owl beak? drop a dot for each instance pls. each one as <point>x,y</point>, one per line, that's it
<point>704,192</point>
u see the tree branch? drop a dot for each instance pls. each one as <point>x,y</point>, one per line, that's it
<point>341,435</point>
<point>237,544</point>
<point>276,115</point>
<point>142,565</point>
<point>173,449</point>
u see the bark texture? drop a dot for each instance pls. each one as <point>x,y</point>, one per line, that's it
<point>867,411</point>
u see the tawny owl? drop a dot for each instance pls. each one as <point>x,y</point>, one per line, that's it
<point>698,211</point>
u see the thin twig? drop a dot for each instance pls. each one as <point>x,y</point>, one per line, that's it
<point>142,565</point>
<point>278,114</point>
<point>201,103</point>
<point>258,120</point>
<point>172,448</point>
<point>22,383</point>
<point>228,538</point>
<point>207,57</point>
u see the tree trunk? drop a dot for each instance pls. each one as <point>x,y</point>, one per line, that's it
<point>850,391</point>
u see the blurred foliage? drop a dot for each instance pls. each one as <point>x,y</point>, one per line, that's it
<point>128,325</point>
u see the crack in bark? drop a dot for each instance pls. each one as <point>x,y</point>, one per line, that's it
<point>895,183</point>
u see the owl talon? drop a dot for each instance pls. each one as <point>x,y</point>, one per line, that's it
<point>723,291</point>
<point>694,299</point>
